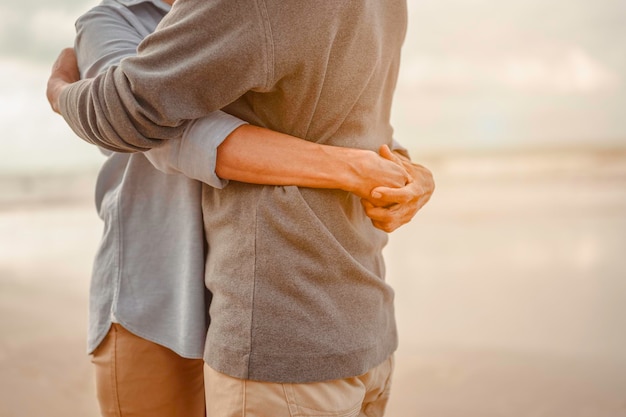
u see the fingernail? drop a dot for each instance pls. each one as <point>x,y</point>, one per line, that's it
<point>376,194</point>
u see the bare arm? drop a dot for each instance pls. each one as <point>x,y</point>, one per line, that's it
<point>260,156</point>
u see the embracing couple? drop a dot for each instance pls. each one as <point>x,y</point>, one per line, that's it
<point>248,188</point>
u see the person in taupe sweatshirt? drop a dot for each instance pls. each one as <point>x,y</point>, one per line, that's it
<point>301,316</point>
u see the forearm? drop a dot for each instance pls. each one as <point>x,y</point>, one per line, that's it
<point>100,111</point>
<point>260,156</point>
<point>103,111</point>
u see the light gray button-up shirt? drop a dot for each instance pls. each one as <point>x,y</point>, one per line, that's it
<point>148,272</point>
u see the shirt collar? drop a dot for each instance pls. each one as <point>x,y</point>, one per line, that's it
<point>158,3</point>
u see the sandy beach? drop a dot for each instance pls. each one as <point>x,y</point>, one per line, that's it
<point>510,290</point>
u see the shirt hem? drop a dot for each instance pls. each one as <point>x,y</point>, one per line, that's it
<point>297,368</point>
<point>177,350</point>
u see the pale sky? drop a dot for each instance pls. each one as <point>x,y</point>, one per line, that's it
<point>476,74</point>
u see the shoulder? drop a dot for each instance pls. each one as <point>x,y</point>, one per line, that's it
<point>124,18</point>
<point>106,9</point>
<point>129,9</point>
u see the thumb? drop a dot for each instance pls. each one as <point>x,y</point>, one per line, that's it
<point>389,195</point>
<point>386,153</point>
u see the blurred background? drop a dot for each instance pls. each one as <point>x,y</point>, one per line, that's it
<point>510,284</point>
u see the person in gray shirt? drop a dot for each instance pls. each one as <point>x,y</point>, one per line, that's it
<point>297,281</point>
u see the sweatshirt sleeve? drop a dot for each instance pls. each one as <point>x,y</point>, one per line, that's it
<point>203,56</point>
<point>103,38</point>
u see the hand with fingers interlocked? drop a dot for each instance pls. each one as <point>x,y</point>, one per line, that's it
<point>390,208</point>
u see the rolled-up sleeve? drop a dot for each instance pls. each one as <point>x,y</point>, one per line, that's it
<point>195,154</point>
<point>203,56</point>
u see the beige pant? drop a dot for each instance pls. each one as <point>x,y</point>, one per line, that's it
<point>363,396</point>
<point>138,378</point>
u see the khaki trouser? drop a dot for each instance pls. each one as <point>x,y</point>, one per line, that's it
<point>362,396</point>
<point>139,378</point>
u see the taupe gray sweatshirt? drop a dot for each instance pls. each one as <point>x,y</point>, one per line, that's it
<point>297,274</point>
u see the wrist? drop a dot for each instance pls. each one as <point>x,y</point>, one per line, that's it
<point>353,163</point>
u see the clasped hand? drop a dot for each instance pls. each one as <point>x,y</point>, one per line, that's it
<point>392,207</point>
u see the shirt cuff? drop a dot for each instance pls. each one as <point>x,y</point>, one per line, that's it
<point>198,151</point>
